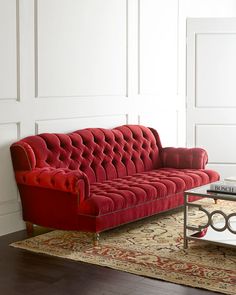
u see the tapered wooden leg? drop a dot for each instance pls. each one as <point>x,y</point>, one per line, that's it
<point>96,239</point>
<point>29,228</point>
<point>215,201</point>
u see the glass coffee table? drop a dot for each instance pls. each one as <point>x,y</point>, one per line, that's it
<point>218,227</point>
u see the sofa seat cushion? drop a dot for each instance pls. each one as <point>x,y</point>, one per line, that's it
<point>127,192</point>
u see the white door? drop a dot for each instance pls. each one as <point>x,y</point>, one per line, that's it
<point>211,90</point>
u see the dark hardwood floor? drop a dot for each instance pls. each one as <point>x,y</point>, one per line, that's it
<point>23,272</point>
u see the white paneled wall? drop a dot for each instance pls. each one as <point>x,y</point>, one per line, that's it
<point>9,50</point>
<point>70,64</point>
<point>81,48</point>
<point>158,48</point>
<point>211,113</point>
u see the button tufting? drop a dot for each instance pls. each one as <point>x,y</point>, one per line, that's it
<point>123,160</point>
<point>106,151</point>
<point>73,157</point>
<point>85,155</point>
<point>62,158</point>
<point>115,149</point>
<point>126,148</point>
<point>96,140</point>
<point>74,143</point>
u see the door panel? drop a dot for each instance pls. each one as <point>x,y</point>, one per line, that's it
<point>211,90</point>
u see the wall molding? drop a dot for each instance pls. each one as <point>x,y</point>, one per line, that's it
<point>17,48</point>
<point>82,121</point>
<point>10,206</point>
<point>79,95</point>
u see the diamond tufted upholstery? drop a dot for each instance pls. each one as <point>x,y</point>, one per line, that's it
<point>94,179</point>
<point>101,154</point>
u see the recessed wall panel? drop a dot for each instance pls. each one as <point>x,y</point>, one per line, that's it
<point>208,8</point>
<point>219,141</point>
<point>68,125</point>
<point>166,126</point>
<point>8,49</point>
<point>81,48</point>
<point>8,191</point>
<point>158,46</point>
<point>215,70</point>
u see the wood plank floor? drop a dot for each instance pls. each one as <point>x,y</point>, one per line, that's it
<point>23,272</point>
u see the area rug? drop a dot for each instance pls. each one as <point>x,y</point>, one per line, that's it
<point>152,247</point>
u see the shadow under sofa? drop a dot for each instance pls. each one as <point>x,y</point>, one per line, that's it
<point>95,179</point>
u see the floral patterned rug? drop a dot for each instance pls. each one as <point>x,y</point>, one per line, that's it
<point>152,247</point>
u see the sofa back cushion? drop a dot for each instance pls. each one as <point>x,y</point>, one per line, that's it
<point>102,154</point>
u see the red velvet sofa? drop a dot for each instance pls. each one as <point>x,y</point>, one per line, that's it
<point>96,179</point>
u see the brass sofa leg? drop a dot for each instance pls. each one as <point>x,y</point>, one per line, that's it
<point>29,228</point>
<point>96,239</point>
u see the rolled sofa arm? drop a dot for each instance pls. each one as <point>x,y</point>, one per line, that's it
<point>183,158</point>
<point>65,180</point>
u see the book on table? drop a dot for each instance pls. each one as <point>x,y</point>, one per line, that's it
<point>231,179</point>
<point>225,187</point>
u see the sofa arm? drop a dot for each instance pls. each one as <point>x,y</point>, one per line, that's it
<point>75,182</point>
<point>193,158</point>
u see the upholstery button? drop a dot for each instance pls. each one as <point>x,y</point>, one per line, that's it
<point>48,145</point>
<point>93,166</point>
<point>73,157</point>
<point>74,143</point>
<point>145,135</point>
<point>96,140</point>
<point>82,167</point>
<point>106,151</point>
<point>84,155</point>
<point>115,150</point>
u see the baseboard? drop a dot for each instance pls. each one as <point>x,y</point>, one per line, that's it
<point>11,222</point>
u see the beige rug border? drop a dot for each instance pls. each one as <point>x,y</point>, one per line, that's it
<point>132,271</point>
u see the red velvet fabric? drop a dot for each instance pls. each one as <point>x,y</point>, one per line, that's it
<point>101,154</point>
<point>49,207</point>
<point>75,182</point>
<point>140,188</point>
<point>94,179</point>
<point>194,158</point>
<point>100,223</point>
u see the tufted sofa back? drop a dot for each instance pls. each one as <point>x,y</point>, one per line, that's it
<point>102,154</point>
